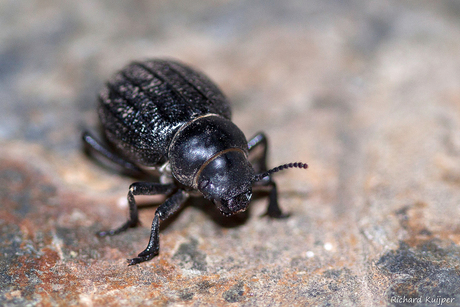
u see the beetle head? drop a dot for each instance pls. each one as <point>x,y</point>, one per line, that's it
<point>227,181</point>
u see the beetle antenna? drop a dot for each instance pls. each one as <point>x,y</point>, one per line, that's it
<point>279,168</point>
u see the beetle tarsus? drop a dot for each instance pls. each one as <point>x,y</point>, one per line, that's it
<point>122,228</point>
<point>138,260</point>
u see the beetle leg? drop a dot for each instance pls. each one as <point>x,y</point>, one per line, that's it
<point>273,209</point>
<point>138,188</point>
<point>97,146</point>
<point>165,210</point>
<point>259,140</point>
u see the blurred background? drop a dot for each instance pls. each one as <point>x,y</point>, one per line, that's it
<point>291,55</point>
<point>366,92</point>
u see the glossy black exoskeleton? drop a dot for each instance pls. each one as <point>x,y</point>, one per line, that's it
<point>164,117</point>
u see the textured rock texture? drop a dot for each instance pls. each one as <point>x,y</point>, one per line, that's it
<point>367,93</point>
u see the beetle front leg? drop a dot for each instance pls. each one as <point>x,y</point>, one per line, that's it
<point>165,210</point>
<point>273,209</point>
<point>138,188</point>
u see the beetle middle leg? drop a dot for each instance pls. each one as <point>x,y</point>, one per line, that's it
<point>138,188</point>
<point>165,210</point>
<point>259,140</point>
<point>273,209</point>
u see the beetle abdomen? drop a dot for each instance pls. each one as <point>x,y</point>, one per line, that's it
<point>143,105</point>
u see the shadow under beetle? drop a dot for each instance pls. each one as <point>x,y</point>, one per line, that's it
<point>164,118</point>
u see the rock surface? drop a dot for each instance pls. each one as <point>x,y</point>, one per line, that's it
<point>366,92</point>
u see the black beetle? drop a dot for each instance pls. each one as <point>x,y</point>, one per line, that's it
<point>164,117</point>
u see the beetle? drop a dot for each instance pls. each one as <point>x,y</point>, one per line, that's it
<point>161,117</point>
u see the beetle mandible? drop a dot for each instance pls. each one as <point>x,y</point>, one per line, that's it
<point>163,117</point>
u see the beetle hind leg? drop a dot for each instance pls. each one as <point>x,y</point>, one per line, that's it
<point>95,145</point>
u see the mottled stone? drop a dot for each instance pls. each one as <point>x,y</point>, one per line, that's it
<point>366,92</point>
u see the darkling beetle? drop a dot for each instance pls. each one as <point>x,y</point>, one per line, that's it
<point>164,118</point>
